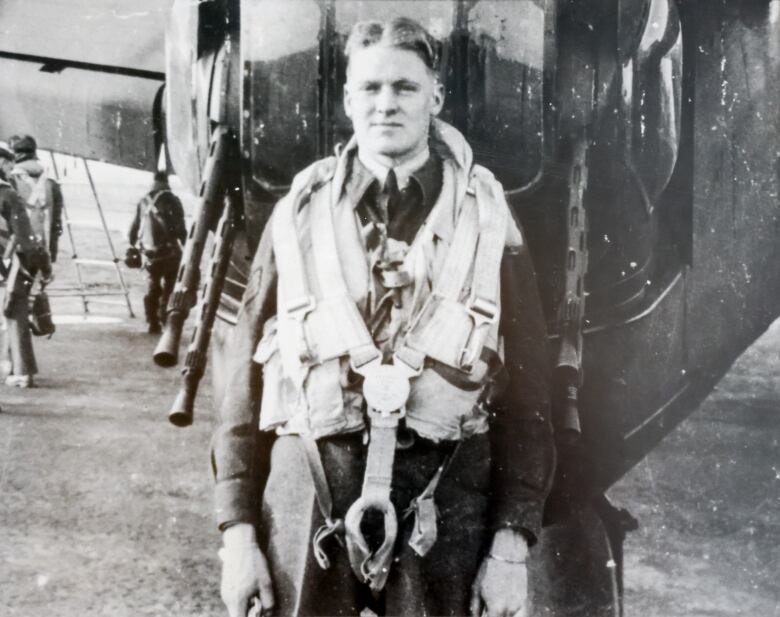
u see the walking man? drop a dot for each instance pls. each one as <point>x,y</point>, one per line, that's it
<point>159,229</point>
<point>28,256</point>
<point>42,195</point>
<point>384,439</point>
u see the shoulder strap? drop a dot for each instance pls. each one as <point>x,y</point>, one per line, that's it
<point>37,196</point>
<point>446,329</point>
<point>142,206</point>
<point>336,325</point>
<point>333,322</point>
<point>294,291</point>
<point>493,217</point>
<point>157,197</point>
<point>295,300</point>
<point>460,256</point>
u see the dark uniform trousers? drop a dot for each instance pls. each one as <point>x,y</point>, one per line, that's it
<point>160,280</point>
<point>19,337</point>
<point>437,584</point>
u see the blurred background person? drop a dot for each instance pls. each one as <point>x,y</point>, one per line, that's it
<point>42,195</point>
<point>159,230</point>
<point>28,256</point>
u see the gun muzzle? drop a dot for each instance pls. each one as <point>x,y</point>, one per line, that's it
<point>181,412</point>
<point>566,401</point>
<point>166,354</point>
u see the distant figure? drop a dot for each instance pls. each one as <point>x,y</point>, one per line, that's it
<point>159,230</point>
<point>28,256</point>
<point>42,195</point>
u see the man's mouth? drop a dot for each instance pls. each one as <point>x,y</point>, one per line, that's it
<point>383,125</point>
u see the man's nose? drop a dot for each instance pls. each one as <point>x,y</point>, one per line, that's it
<point>387,100</point>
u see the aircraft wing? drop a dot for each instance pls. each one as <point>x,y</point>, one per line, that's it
<point>85,77</point>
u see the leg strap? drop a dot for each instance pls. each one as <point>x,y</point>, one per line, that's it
<point>372,565</point>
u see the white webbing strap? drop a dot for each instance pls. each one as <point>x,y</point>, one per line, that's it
<point>142,222</point>
<point>448,330</point>
<point>336,325</point>
<point>294,300</point>
<point>324,248</point>
<point>336,328</point>
<point>493,215</point>
<point>37,198</point>
<point>149,206</point>
<point>460,256</point>
<point>483,303</point>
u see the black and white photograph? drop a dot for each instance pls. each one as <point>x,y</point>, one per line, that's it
<point>390,308</point>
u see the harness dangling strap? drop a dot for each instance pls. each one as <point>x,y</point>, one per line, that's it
<point>423,508</point>
<point>331,526</point>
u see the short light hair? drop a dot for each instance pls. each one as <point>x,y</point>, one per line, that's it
<point>401,32</point>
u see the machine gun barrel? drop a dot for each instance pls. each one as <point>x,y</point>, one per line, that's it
<point>568,371</point>
<point>181,413</point>
<point>210,205</point>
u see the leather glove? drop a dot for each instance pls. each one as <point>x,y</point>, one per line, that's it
<point>245,573</point>
<point>501,586</point>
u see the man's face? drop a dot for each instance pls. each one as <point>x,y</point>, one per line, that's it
<point>390,96</point>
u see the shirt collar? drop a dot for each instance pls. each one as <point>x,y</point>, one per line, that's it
<point>402,172</point>
<point>359,179</point>
<point>428,177</point>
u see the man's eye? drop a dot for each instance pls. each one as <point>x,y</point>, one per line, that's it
<point>407,88</point>
<point>370,88</point>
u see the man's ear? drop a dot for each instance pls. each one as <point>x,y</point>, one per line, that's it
<point>438,98</point>
<point>347,102</point>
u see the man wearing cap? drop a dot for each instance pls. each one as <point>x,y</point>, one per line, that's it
<point>159,228</point>
<point>28,255</point>
<point>384,440</point>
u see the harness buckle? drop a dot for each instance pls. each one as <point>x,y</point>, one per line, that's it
<point>330,528</point>
<point>386,419</point>
<point>483,312</point>
<point>410,360</point>
<point>298,309</point>
<point>386,389</point>
<point>362,358</point>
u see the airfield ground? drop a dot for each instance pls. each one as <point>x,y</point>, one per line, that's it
<point>105,508</point>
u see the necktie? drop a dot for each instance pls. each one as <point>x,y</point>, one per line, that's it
<point>391,196</point>
<point>386,261</point>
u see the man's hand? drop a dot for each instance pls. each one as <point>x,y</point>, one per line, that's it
<point>244,571</point>
<point>501,586</point>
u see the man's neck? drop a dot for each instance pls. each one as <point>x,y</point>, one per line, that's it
<point>404,167</point>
